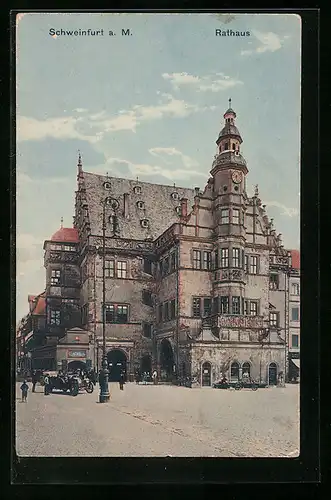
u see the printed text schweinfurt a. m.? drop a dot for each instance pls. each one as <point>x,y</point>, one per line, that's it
<point>89,32</point>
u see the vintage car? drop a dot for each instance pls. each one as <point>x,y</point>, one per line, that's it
<point>65,383</point>
<point>241,384</point>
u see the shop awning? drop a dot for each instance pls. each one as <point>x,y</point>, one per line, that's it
<point>296,362</point>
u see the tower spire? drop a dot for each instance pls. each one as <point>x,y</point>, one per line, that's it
<point>230,102</point>
<point>61,222</point>
<point>80,164</point>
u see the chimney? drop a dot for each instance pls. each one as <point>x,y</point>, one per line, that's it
<point>183,207</point>
<point>126,205</point>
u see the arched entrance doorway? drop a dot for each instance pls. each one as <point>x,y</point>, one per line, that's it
<point>166,360</point>
<point>146,364</point>
<point>272,374</point>
<point>206,374</point>
<point>246,369</point>
<point>234,372</point>
<point>76,365</point>
<point>116,364</point>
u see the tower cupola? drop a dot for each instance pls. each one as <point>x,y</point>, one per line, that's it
<point>229,138</point>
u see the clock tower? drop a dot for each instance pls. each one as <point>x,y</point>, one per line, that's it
<point>229,172</point>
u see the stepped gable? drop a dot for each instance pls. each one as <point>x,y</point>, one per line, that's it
<point>158,208</point>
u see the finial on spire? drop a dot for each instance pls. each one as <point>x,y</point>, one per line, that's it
<point>230,102</point>
<point>256,191</point>
<point>137,178</point>
<point>61,222</point>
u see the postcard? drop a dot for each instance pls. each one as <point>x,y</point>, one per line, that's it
<point>158,234</point>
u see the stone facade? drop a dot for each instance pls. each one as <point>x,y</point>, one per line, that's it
<point>186,278</point>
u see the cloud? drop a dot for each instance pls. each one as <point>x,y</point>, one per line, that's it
<point>80,110</point>
<point>93,127</point>
<point>115,166</point>
<point>289,212</point>
<point>269,42</point>
<point>201,84</point>
<point>187,161</point>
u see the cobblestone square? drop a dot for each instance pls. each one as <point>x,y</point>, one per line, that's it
<point>149,421</point>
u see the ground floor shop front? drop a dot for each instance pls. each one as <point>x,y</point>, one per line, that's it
<point>203,362</point>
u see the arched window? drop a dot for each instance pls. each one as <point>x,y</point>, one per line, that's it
<point>140,204</point>
<point>137,190</point>
<point>234,373</point>
<point>246,369</point>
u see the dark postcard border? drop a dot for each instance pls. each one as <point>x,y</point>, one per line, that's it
<point>305,468</point>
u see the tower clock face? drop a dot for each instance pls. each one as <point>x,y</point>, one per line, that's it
<point>237,177</point>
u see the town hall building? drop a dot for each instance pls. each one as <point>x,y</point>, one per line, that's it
<point>189,282</point>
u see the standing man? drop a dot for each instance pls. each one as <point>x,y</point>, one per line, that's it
<point>24,389</point>
<point>154,377</point>
<point>122,381</point>
<point>46,386</point>
<point>34,380</point>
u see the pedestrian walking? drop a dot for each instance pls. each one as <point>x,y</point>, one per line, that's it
<point>47,385</point>
<point>154,377</point>
<point>122,381</point>
<point>24,389</point>
<point>34,378</point>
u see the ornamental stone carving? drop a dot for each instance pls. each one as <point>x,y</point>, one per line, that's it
<point>237,321</point>
<point>231,275</point>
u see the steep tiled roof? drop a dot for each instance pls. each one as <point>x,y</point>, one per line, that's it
<point>159,207</point>
<point>295,254</point>
<point>66,234</point>
<point>40,305</point>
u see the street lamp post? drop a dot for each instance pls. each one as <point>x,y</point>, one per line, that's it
<point>104,388</point>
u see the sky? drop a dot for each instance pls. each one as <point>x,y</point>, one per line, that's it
<point>150,105</point>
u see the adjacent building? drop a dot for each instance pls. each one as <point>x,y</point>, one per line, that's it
<point>189,282</point>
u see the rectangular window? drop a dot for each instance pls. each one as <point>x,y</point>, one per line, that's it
<point>225,216</point>
<point>122,313</point>
<point>274,282</point>
<point>253,308</point>
<point>215,305</point>
<point>295,314</point>
<point>147,330</point>
<point>173,309</point>
<point>110,313</point>
<point>196,307</point>
<point>295,289</point>
<point>109,269</point>
<point>246,304</point>
<point>235,305</point>
<point>235,257</point>
<point>207,260</point>
<point>295,340</point>
<point>147,266</point>
<point>253,264</point>
<point>273,319</point>
<point>172,262</point>
<point>55,277</point>
<point>216,260</point>
<point>55,317</point>
<point>116,313</point>
<point>160,313</point>
<point>84,314</point>
<point>224,305</point>
<point>166,266</point>
<point>121,269</point>
<point>235,216</point>
<point>196,259</point>
<point>246,264</point>
<point>166,311</point>
<point>147,298</point>
<point>207,306</point>
<point>224,257</point>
